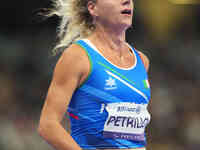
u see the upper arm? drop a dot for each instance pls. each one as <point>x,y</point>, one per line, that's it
<point>66,78</point>
<point>145,60</point>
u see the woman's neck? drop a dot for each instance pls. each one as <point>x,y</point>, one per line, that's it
<point>112,38</point>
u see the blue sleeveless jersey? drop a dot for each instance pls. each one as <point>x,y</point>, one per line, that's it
<point>109,110</point>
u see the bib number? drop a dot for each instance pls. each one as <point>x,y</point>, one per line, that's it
<point>126,121</point>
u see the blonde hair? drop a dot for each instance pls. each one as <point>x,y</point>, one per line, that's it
<point>76,21</point>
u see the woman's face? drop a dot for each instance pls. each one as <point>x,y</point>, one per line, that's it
<point>116,13</point>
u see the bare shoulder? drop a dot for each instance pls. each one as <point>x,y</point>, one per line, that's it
<point>73,61</point>
<point>145,60</point>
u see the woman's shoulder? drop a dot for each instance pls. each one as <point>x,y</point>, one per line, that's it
<point>73,59</point>
<point>145,60</point>
<point>74,53</point>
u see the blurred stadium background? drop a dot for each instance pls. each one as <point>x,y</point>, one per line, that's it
<point>167,31</point>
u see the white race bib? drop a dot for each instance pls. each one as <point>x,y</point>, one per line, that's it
<point>126,121</point>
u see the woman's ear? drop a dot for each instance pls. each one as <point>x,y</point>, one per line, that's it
<point>92,8</point>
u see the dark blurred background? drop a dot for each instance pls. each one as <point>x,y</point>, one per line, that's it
<point>167,31</point>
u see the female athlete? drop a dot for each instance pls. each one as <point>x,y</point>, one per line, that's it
<point>100,81</point>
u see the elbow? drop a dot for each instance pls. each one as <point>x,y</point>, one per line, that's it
<point>46,128</point>
<point>43,128</point>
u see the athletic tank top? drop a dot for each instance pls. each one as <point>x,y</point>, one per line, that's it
<point>109,110</point>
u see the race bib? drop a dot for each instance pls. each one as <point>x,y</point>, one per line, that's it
<point>126,121</point>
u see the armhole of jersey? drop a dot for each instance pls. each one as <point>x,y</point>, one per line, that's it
<point>139,53</point>
<point>140,57</point>
<point>91,64</point>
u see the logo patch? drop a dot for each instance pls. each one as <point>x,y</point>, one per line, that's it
<point>110,84</point>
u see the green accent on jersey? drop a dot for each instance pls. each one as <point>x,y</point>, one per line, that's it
<point>91,65</point>
<point>107,67</point>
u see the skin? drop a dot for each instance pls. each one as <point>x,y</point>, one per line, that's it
<point>111,26</point>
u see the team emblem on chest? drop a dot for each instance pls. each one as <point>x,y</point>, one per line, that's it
<point>110,84</point>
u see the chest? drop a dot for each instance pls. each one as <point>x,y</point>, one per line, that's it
<point>124,60</point>
<point>124,84</point>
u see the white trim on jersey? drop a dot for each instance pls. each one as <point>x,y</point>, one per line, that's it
<point>95,48</point>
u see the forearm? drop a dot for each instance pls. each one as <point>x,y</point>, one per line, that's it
<point>56,135</point>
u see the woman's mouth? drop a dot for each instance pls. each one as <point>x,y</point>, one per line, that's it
<point>127,12</point>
